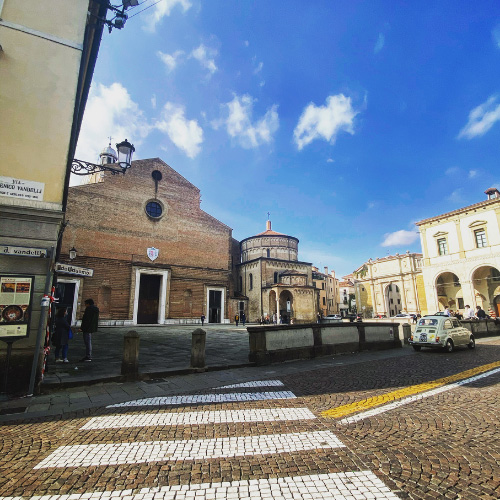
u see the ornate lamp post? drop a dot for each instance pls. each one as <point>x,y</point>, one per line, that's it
<point>125,151</point>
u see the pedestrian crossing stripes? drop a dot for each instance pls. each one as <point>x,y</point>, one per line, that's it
<point>360,485</point>
<point>198,417</point>
<point>187,449</point>
<point>206,398</point>
<point>255,383</point>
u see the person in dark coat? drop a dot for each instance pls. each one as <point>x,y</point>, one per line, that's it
<point>60,338</point>
<point>89,324</point>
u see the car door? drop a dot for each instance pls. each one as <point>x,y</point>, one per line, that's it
<point>458,335</point>
<point>449,331</point>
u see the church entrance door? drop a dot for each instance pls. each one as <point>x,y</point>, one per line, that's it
<point>149,299</point>
<point>214,306</point>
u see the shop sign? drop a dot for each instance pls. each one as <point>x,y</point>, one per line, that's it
<point>20,188</point>
<point>23,251</point>
<point>16,295</point>
<point>68,269</point>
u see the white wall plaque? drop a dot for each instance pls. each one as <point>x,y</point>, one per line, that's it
<point>68,269</point>
<point>20,188</point>
<point>23,251</point>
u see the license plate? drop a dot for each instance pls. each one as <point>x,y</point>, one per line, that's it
<point>423,337</point>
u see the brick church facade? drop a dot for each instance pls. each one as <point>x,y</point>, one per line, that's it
<point>154,256</point>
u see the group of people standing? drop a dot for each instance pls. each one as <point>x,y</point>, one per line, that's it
<point>62,332</point>
<point>469,313</point>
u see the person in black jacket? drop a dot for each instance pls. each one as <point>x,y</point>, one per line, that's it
<point>60,338</point>
<point>480,313</point>
<point>89,324</point>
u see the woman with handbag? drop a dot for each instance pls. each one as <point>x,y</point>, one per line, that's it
<point>62,334</point>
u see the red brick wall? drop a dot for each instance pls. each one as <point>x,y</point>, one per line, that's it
<point>108,226</point>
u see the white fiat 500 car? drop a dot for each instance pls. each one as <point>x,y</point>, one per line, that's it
<point>441,332</point>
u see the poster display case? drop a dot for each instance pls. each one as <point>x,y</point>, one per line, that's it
<point>16,295</point>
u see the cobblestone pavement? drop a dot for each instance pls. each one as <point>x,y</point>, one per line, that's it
<point>426,426</point>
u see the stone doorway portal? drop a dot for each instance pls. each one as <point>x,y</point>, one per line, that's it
<point>149,299</point>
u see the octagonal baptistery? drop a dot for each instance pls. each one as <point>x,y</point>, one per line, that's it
<point>269,244</point>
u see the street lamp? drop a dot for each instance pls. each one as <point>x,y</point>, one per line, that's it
<point>125,151</point>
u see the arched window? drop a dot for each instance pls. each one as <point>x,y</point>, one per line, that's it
<point>276,277</point>
<point>268,253</point>
<point>250,280</point>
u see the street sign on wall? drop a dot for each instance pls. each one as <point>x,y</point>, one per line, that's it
<point>69,269</point>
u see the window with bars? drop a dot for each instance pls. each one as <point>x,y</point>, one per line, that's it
<point>442,246</point>
<point>480,235</point>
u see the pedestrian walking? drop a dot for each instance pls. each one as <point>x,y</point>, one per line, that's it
<point>202,319</point>
<point>61,336</point>
<point>236,319</point>
<point>243,318</point>
<point>89,325</point>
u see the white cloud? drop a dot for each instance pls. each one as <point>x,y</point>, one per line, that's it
<point>110,111</point>
<point>399,238</point>
<point>325,122</point>
<point>170,60</point>
<point>246,43</point>
<point>153,101</point>
<point>495,34</point>
<point>186,134</point>
<point>472,174</point>
<point>239,124</point>
<point>452,171</point>
<point>204,55</point>
<point>162,9</point>
<point>379,45</point>
<point>481,119</point>
<point>330,160</point>
<point>456,196</point>
<point>258,69</point>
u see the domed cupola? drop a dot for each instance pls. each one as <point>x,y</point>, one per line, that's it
<point>271,245</point>
<point>108,155</point>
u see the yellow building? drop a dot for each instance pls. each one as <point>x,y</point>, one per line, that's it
<point>47,58</point>
<point>461,257</point>
<point>327,290</point>
<point>390,285</point>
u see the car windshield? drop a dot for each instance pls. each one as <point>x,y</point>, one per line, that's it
<point>428,322</point>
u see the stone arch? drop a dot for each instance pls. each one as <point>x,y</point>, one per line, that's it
<point>286,306</point>
<point>486,285</point>
<point>448,291</point>
<point>392,296</point>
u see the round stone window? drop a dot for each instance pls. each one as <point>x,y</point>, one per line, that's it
<point>154,209</point>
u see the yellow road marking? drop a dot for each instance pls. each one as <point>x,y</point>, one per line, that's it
<point>365,404</point>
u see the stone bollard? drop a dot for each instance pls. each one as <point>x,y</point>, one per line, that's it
<point>406,332</point>
<point>198,348</point>
<point>130,362</point>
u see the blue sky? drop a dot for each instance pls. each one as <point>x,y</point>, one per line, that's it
<point>348,121</point>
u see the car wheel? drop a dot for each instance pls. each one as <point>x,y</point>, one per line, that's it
<point>472,343</point>
<point>449,346</point>
<point>417,347</point>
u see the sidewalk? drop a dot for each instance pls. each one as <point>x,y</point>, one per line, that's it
<point>163,350</point>
<point>61,403</point>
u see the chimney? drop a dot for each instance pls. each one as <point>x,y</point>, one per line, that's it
<point>268,225</point>
<point>326,269</point>
<point>492,193</point>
